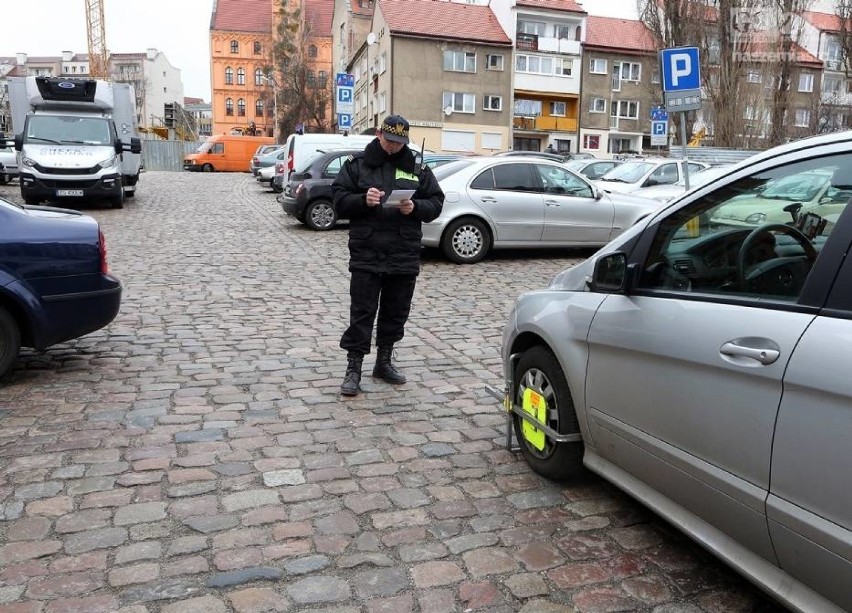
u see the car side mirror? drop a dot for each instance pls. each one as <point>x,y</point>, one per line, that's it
<point>597,192</point>
<point>19,141</point>
<point>610,274</point>
<point>649,183</point>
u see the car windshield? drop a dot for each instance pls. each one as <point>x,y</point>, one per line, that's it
<point>628,172</point>
<point>697,179</point>
<point>577,164</point>
<point>442,172</point>
<point>803,187</point>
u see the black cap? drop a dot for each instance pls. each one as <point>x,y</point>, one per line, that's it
<point>395,128</point>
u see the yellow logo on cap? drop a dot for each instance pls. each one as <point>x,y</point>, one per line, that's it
<point>398,129</point>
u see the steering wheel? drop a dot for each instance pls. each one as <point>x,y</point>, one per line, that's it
<point>790,231</point>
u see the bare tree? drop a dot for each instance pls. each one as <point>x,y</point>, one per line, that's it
<point>844,12</point>
<point>302,97</point>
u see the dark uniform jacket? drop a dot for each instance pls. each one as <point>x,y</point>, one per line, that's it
<point>383,240</point>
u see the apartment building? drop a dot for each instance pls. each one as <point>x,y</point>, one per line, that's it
<point>445,66</point>
<point>821,37</point>
<point>620,86</point>
<point>351,21</point>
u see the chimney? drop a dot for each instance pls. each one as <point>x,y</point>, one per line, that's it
<point>67,56</point>
<point>151,52</point>
<point>21,59</point>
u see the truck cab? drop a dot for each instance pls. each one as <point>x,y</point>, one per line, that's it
<point>76,139</point>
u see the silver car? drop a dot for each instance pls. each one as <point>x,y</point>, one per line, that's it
<point>704,369</point>
<point>520,202</point>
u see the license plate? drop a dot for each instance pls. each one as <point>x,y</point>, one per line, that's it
<point>69,192</point>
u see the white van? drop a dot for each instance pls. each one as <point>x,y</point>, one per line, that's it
<point>300,147</point>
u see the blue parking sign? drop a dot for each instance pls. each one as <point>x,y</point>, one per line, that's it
<point>658,128</point>
<point>344,121</point>
<point>680,69</point>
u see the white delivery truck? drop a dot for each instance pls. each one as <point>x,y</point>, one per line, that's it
<point>76,139</point>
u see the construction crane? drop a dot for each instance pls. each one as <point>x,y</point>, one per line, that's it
<point>95,28</point>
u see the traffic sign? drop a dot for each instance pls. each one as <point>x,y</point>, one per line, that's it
<point>658,113</point>
<point>344,121</point>
<point>659,133</point>
<point>680,69</point>
<point>345,99</point>
<point>345,80</point>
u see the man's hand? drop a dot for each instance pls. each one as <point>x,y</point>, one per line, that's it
<point>374,196</point>
<point>406,206</point>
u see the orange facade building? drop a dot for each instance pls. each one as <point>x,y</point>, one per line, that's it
<point>241,40</point>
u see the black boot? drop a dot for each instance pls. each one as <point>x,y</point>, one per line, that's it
<point>352,379</point>
<point>384,368</point>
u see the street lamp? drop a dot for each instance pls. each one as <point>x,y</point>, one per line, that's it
<point>270,80</point>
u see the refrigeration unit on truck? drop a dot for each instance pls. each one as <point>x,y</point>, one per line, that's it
<point>77,139</point>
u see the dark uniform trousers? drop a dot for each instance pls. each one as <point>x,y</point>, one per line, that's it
<point>388,294</point>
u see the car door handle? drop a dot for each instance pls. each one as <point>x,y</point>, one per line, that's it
<point>551,203</point>
<point>762,355</point>
<point>488,199</point>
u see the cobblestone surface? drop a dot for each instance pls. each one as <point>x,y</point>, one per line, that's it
<point>195,454</point>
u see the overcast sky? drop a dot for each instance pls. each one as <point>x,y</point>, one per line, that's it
<point>178,28</point>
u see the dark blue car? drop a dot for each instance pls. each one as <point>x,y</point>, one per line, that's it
<point>54,282</point>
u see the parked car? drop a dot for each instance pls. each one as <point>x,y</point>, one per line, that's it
<point>268,160</point>
<point>634,174</point>
<point>54,281</point>
<point>265,175</point>
<point>433,160</point>
<point>259,153</point>
<point>307,196</point>
<point>704,370</point>
<point>8,160</point>
<point>665,193</point>
<point>592,169</point>
<point>520,202</point>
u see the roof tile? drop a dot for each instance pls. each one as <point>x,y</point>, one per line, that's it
<point>568,6</point>
<point>242,16</point>
<point>619,34</point>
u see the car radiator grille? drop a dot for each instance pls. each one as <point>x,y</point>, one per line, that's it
<point>68,171</point>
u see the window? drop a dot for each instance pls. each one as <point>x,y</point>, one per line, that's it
<point>557,109</point>
<point>806,82</point>
<point>241,107</point>
<point>492,103</point>
<point>229,76</point>
<point>258,48</point>
<point>531,27</point>
<point>628,71</point>
<point>545,65</point>
<point>711,246</point>
<point>750,113</point>
<point>556,180</point>
<point>507,177</point>
<point>564,32</point>
<point>460,61</point>
<point>241,76</point>
<point>383,62</point>
<point>597,105</point>
<point>597,66</point>
<point>494,62</point>
<point>754,77</point>
<point>235,46</point>
<point>258,76</point>
<point>229,106</point>
<point>664,175</point>
<point>460,102</point>
<point>803,118</point>
<point>334,166</point>
<point>832,85</point>
<point>258,108</point>
<point>625,109</point>
<point>382,103</point>
<point>655,76</point>
<point>312,51</point>
<point>527,108</point>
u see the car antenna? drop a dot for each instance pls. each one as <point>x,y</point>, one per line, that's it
<point>423,155</point>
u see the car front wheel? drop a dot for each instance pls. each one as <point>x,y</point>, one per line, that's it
<point>320,215</point>
<point>542,390</point>
<point>10,340</point>
<point>207,168</point>
<point>466,241</point>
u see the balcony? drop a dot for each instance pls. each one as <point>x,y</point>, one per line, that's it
<point>545,124</point>
<point>527,42</point>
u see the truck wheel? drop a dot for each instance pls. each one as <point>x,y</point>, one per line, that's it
<point>117,202</point>
<point>10,341</point>
<point>541,388</point>
<point>207,168</point>
<point>31,201</point>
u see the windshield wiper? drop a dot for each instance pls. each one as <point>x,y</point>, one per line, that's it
<point>46,140</point>
<point>616,180</point>
<point>75,142</point>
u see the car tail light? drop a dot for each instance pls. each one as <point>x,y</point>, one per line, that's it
<point>290,163</point>
<point>102,252</point>
<point>299,188</point>
<point>279,168</point>
<point>254,161</point>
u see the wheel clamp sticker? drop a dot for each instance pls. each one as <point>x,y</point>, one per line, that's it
<point>535,405</point>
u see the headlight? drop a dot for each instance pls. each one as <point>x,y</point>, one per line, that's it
<point>109,162</point>
<point>756,218</point>
<point>30,163</point>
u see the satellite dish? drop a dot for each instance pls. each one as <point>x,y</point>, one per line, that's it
<point>371,38</point>
<point>448,110</point>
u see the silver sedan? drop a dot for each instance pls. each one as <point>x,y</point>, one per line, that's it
<point>518,202</point>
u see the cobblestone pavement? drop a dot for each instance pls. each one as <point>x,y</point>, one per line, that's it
<point>195,456</point>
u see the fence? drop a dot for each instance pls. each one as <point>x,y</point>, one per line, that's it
<point>713,155</point>
<point>166,154</point>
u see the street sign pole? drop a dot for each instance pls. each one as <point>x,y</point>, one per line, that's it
<point>681,72</point>
<point>683,143</point>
